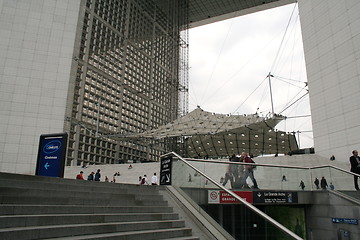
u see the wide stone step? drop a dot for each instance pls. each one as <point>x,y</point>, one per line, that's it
<point>172,233</point>
<point>183,238</point>
<point>9,221</point>
<point>57,231</point>
<point>80,201</point>
<point>36,207</point>
<point>81,186</point>
<point>26,192</point>
<point>15,209</point>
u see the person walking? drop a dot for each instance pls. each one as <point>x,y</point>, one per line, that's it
<point>355,167</point>
<point>323,183</point>
<point>97,176</point>
<point>249,171</point>
<point>302,185</point>
<point>154,179</point>
<point>231,172</point>
<point>240,174</point>
<point>91,176</point>
<point>316,182</point>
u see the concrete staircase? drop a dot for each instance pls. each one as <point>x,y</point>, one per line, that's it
<point>35,207</point>
<point>355,195</point>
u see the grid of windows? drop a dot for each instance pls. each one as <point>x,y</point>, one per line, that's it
<point>126,80</point>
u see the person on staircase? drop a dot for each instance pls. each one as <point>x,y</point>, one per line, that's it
<point>355,167</point>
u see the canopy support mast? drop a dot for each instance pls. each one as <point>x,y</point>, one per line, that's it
<point>271,97</point>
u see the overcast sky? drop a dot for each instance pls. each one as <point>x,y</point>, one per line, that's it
<point>230,61</point>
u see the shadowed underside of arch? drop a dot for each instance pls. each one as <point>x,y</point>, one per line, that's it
<point>202,12</point>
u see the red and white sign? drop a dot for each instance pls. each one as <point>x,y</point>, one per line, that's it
<point>222,197</point>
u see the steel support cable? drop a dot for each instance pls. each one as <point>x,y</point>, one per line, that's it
<point>295,109</point>
<point>193,96</point>
<point>279,50</point>
<point>283,47</point>
<point>287,80</point>
<point>242,103</point>
<point>249,95</point>
<point>302,97</point>
<point>303,123</point>
<point>217,60</point>
<point>282,41</point>
<point>300,116</point>
<point>294,102</point>
<point>304,88</point>
<point>274,59</point>
<point>261,99</point>
<point>242,67</point>
<point>301,89</point>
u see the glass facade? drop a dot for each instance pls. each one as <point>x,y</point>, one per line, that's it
<point>131,76</point>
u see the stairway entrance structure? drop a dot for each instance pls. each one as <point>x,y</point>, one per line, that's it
<point>278,206</point>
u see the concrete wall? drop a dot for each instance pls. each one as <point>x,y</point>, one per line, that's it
<point>331,36</point>
<point>36,47</point>
<point>326,206</point>
<point>320,208</point>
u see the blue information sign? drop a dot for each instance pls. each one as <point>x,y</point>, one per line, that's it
<point>345,220</point>
<point>51,155</point>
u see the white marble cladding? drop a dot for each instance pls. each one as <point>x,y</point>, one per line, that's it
<point>36,47</point>
<point>331,36</point>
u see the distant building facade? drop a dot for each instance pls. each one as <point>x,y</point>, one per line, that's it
<point>90,68</point>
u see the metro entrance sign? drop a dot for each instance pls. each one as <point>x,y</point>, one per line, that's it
<point>254,197</point>
<point>221,197</point>
<point>51,155</point>
<point>165,170</point>
<point>275,197</point>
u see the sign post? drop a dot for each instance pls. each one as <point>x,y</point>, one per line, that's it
<point>51,155</point>
<point>165,170</point>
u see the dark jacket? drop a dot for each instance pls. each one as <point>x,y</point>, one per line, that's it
<point>354,165</point>
<point>97,176</point>
<point>323,183</point>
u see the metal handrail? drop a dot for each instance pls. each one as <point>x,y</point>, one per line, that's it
<point>248,205</point>
<point>272,165</point>
<point>243,163</point>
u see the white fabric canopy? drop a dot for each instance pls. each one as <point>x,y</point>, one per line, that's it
<point>209,134</point>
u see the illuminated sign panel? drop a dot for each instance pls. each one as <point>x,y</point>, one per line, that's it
<point>51,155</point>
